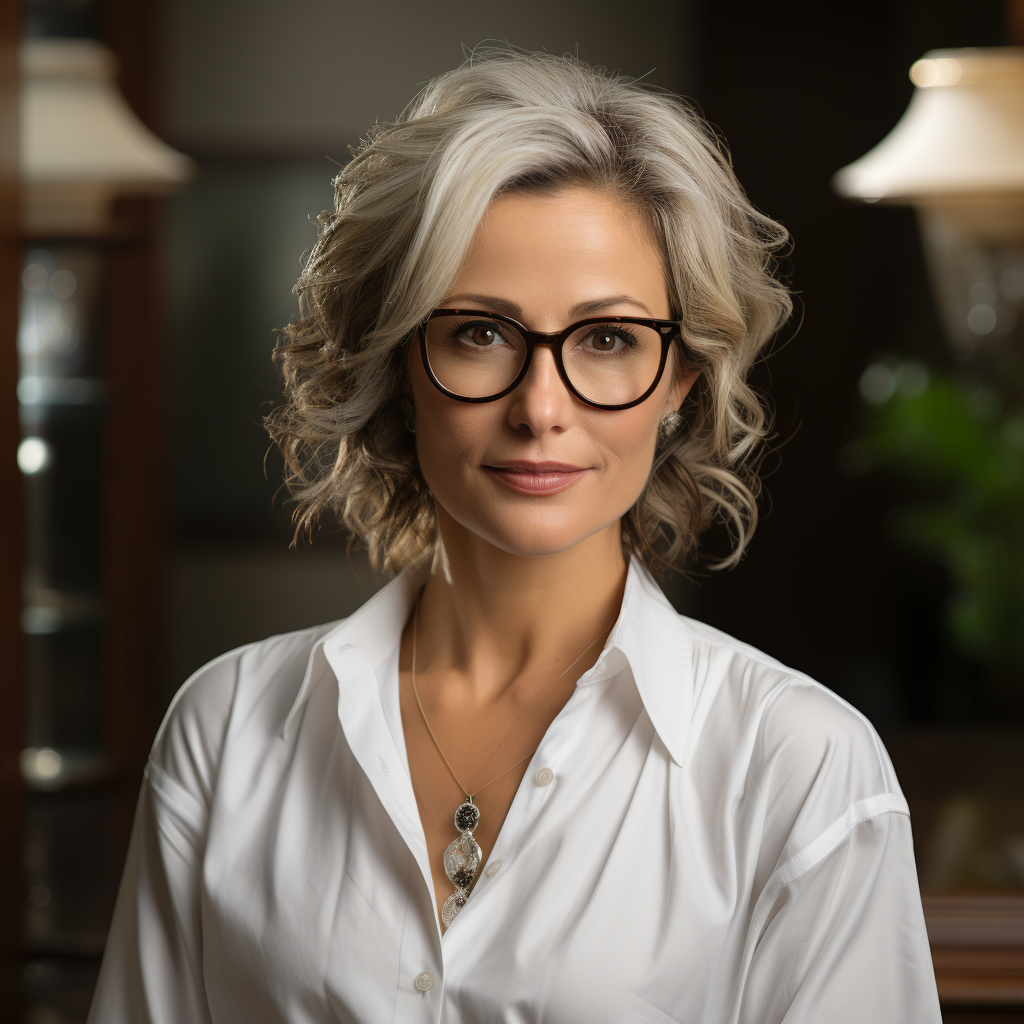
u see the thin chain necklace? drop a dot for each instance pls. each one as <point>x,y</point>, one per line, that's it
<point>463,856</point>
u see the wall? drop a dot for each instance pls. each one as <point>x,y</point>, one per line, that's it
<point>311,76</point>
<point>269,97</point>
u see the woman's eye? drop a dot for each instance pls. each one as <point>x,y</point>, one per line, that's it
<point>482,335</point>
<point>607,341</point>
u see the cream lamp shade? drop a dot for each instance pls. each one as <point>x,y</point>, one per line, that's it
<point>957,157</point>
<point>959,146</point>
<point>81,145</point>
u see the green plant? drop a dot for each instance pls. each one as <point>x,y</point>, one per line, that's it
<point>963,450</point>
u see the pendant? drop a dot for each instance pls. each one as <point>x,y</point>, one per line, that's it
<point>467,815</point>
<point>453,905</point>
<point>462,859</point>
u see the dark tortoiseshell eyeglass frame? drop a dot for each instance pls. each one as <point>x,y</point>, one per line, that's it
<point>668,330</point>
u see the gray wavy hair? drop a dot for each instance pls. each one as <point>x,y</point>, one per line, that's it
<point>406,207</point>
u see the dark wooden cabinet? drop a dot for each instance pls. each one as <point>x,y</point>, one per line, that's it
<point>82,476</point>
<point>11,525</point>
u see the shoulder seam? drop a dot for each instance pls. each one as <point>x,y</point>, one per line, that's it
<point>818,849</point>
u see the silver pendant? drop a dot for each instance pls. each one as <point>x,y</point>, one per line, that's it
<point>462,859</point>
<point>453,905</point>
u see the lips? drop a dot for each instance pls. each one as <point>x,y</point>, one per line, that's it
<point>537,477</point>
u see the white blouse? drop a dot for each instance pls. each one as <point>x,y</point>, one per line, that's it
<point>703,835</point>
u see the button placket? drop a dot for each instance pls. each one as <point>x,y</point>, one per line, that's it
<point>542,778</point>
<point>529,801</point>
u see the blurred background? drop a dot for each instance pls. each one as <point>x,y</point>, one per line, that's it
<point>162,167</point>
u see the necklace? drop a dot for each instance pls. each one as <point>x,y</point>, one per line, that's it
<point>463,856</point>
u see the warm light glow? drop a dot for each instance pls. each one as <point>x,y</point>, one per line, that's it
<point>927,72</point>
<point>48,763</point>
<point>33,455</point>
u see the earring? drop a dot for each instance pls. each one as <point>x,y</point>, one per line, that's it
<point>408,414</point>
<point>670,423</point>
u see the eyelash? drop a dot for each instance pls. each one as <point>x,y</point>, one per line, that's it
<point>619,329</point>
<point>471,324</point>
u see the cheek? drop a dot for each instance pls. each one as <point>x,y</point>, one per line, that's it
<point>626,441</point>
<point>451,437</point>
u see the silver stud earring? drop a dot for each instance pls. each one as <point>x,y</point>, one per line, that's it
<point>669,423</point>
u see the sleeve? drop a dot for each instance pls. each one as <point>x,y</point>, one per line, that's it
<point>839,932</point>
<point>152,971</point>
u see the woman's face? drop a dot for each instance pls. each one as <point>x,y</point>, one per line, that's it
<point>547,261</point>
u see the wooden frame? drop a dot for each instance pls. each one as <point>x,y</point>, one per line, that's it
<point>11,525</point>
<point>133,507</point>
<point>977,942</point>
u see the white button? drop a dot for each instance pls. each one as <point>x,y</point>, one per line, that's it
<point>424,981</point>
<point>544,777</point>
<point>492,868</point>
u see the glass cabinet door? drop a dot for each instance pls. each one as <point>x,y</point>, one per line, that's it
<point>65,767</point>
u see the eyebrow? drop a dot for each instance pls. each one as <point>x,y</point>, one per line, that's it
<point>591,307</point>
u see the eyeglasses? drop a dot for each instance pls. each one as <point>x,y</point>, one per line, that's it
<point>609,362</point>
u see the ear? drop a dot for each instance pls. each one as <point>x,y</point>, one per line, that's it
<point>680,388</point>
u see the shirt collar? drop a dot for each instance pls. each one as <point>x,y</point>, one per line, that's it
<point>649,638</point>
<point>363,640</point>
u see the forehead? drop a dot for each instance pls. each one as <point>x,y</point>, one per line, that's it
<point>563,247</point>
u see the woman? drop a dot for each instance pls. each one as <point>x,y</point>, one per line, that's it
<point>516,785</point>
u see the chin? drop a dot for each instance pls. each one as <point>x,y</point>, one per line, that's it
<point>536,534</point>
<point>535,547</point>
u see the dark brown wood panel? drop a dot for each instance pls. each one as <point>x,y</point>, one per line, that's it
<point>136,470</point>
<point>134,502</point>
<point>11,514</point>
<point>979,974</point>
<point>977,941</point>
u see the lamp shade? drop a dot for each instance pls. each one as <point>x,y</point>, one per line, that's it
<point>81,145</point>
<point>957,156</point>
<point>961,136</point>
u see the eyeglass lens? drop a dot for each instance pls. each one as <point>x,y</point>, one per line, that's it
<point>608,364</point>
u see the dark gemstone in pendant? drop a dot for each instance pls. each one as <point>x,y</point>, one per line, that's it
<point>467,816</point>
<point>462,878</point>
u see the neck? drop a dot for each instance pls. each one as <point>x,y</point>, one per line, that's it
<point>496,617</point>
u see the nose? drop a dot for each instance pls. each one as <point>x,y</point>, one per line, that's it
<point>541,402</point>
